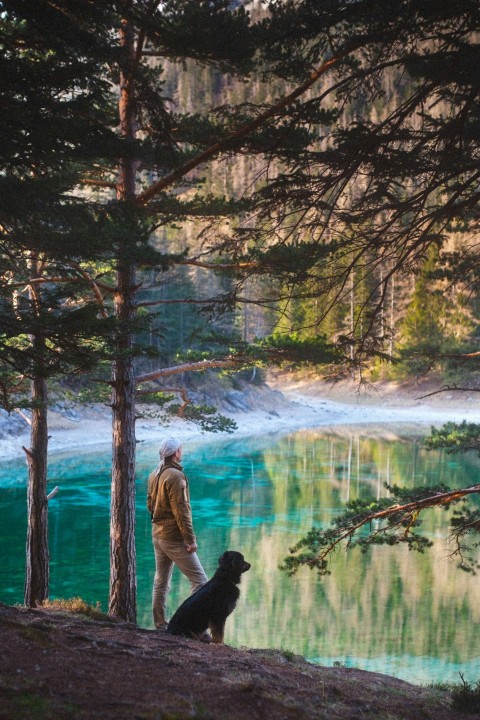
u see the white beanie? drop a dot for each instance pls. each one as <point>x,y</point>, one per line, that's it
<point>169,447</point>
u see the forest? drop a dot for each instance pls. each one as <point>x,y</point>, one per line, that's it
<point>297,183</point>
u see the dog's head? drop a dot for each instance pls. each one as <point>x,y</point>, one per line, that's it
<point>233,564</point>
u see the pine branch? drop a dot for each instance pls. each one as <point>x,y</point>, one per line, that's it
<point>219,266</point>
<point>139,50</point>
<point>180,390</point>
<point>96,291</point>
<point>248,128</point>
<point>99,183</point>
<point>57,279</point>
<point>189,367</point>
<point>448,388</point>
<point>405,515</point>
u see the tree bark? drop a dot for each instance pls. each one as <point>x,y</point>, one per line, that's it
<point>37,568</point>
<point>37,555</point>
<point>122,602</point>
<point>122,597</point>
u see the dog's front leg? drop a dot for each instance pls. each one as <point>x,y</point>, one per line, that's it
<point>217,630</point>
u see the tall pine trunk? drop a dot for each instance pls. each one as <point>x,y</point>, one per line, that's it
<point>37,569</point>
<point>37,555</point>
<point>123,600</point>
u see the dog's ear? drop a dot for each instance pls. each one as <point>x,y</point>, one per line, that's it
<point>225,559</point>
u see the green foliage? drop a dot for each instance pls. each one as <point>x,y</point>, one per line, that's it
<point>466,697</point>
<point>205,416</point>
<point>90,391</point>
<point>157,398</point>
<point>385,192</point>
<point>55,119</point>
<point>303,240</point>
<point>73,341</point>
<point>392,520</point>
<point>296,259</point>
<point>207,31</point>
<point>465,525</point>
<point>160,405</point>
<point>357,528</point>
<point>455,437</point>
<point>170,326</point>
<point>312,217</point>
<point>292,350</point>
<point>53,108</point>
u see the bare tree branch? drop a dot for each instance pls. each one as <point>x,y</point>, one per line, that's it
<point>189,367</point>
<point>448,388</point>
<point>219,266</point>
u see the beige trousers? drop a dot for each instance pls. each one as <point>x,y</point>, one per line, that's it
<point>167,554</point>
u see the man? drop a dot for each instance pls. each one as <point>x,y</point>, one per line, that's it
<point>174,541</point>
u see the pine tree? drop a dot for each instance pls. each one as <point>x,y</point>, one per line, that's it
<point>164,151</point>
<point>384,192</point>
<point>132,162</point>
<point>45,135</point>
<point>396,173</point>
<point>347,197</point>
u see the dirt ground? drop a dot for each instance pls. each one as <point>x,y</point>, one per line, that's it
<point>430,390</point>
<point>59,665</point>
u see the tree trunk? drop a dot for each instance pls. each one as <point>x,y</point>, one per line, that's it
<point>37,556</point>
<point>352,313</point>
<point>122,600</point>
<point>392,315</point>
<point>37,571</point>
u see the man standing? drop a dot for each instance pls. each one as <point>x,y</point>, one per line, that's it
<point>174,541</point>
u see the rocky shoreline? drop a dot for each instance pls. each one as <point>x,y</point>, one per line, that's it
<point>285,404</point>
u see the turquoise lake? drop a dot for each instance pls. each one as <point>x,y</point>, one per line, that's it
<point>408,615</point>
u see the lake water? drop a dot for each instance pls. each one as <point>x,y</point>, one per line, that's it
<point>393,611</point>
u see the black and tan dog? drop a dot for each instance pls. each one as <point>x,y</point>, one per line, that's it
<point>210,606</point>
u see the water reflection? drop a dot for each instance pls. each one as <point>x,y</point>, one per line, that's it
<point>414,616</point>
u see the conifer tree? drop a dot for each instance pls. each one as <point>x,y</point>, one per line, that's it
<point>147,176</point>
<point>355,190</point>
<point>380,195</point>
<point>397,173</point>
<point>47,82</point>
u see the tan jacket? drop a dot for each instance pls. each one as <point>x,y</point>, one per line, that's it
<point>168,498</point>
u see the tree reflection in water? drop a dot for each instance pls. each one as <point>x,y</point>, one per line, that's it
<point>413,616</point>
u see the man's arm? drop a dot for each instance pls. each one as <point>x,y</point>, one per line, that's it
<point>180,504</point>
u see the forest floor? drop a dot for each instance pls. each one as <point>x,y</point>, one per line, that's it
<point>59,665</point>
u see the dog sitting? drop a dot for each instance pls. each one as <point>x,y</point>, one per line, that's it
<point>211,604</point>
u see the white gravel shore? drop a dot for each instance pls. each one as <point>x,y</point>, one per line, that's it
<point>299,406</point>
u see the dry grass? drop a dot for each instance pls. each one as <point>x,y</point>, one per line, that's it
<point>77,606</point>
